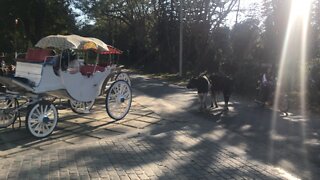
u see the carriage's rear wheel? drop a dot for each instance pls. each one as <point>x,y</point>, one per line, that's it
<point>123,76</point>
<point>118,99</point>
<point>42,119</point>
<point>81,107</point>
<point>8,115</point>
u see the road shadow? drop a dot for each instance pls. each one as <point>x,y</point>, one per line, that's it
<point>71,129</point>
<point>291,142</point>
<point>182,148</point>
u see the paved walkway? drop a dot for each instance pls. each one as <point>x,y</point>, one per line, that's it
<point>173,155</point>
<point>74,128</point>
<point>291,143</point>
<point>95,147</point>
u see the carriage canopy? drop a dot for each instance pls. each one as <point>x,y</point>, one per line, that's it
<point>72,42</point>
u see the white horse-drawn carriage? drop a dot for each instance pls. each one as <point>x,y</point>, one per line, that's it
<point>59,67</point>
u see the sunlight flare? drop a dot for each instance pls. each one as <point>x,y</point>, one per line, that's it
<point>300,7</point>
<point>293,63</point>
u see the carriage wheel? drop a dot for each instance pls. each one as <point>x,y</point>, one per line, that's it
<point>124,76</point>
<point>118,99</point>
<point>41,119</point>
<point>81,107</point>
<point>7,114</point>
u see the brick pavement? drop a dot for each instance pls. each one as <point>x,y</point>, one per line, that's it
<point>95,147</point>
<point>171,155</point>
<point>75,128</point>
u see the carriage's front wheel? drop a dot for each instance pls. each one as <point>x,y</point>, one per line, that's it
<point>42,119</point>
<point>81,107</point>
<point>8,115</point>
<point>118,99</point>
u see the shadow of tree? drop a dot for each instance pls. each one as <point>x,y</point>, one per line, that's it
<point>163,157</point>
<point>252,127</point>
<point>195,146</point>
<point>284,141</point>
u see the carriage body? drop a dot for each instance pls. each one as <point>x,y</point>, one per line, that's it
<point>43,73</point>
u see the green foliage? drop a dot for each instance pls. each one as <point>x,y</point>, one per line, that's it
<point>149,30</point>
<point>23,23</point>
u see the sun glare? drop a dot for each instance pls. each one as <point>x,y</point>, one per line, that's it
<point>293,56</point>
<point>300,7</point>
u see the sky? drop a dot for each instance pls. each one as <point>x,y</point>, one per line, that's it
<point>247,7</point>
<point>81,18</point>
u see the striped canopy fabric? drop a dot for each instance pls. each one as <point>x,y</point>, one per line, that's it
<point>112,50</point>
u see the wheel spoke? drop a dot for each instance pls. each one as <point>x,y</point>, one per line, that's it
<point>7,113</point>
<point>49,124</point>
<point>33,121</point>
<point>9,116</point>
<point>10,103</point>
<point>119,98</point>
<point>50,113</point>
<point>42,127</point>
<point>45,109</point>
<point>126,95</point>
<point>112,101</point>
<point>123,88</point>
<point>81,107</point>
<point>35,115</point>
<point>37,111</point>
<point>45,127</point>
<point>37,127</point>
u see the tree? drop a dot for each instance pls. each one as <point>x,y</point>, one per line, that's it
<point>276,14</point>
<point>25,22</point>
<point>245,38</point>
<point>152,28</point>
<point>315,30</point>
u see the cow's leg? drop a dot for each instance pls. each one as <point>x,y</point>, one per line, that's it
<point>204,102</point>
<point>226,97</point>
<point>211,98</point>
<point>201,100</point>
<point>214,99</point>
<point>226,101</point>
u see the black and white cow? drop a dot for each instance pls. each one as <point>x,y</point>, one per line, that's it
<point>203,86</point>
<point>211,85</point>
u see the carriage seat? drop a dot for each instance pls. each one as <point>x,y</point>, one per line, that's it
<point>37,55</point>
<point>32,65</point>
<point>90,69</point>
